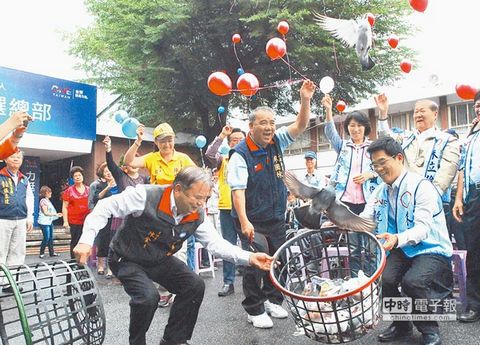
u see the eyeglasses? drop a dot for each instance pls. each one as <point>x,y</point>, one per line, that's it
<point>380,163</point>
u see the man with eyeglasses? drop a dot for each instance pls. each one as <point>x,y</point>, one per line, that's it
<point>411,222</point>
<point>259,195</point>
<point>429,151</point>
<point>158,219</point>
<point>466,210</point>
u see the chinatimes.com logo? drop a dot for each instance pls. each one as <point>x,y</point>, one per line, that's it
<point>409,309</point>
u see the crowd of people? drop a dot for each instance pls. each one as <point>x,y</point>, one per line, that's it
<point>145,227</point>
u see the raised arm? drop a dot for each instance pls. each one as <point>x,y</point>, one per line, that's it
<point>330,129</point>
<point>306,93</point>
<point>130,159</point>
<point>212,153</point>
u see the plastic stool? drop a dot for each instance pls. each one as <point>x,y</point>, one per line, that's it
<point>198,259</point>
<point>333,253</point>
<point>459,263</point>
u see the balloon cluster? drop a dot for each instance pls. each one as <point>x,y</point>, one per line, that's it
<point>129,124</point>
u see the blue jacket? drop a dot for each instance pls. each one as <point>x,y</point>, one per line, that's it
<point>437,240</point>
<point>266,194</point>
<point>13,198</point>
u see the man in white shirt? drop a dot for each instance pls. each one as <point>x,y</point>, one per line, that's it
<point>410,219</point>
<point>158,219</point>
<point>312,176</point>
<point>428,151</point>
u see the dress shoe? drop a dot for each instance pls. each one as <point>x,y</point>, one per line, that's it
<point>227,289</point>
<point>393,332</point>
<point>431,339</point>
<point>469,316</point>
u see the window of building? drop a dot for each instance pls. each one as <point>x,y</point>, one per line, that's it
<point>461,115</point>
<point>301,144</point>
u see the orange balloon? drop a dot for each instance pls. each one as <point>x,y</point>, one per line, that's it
<point>406,66</point>
<point>419,5</point>
<point>236,38</point>
<point>371,19</point>
<point>341,105</point>
<point>283,27</point>
<point>248,84</point>
<point>465,91</point>
<point>220,84</point>
<point>276,48</point>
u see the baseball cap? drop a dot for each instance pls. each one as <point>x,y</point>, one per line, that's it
<point>163,130</point>
<point>311,155</point>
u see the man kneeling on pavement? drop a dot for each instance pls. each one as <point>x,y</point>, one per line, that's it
<point>158,219</point>
<point>410,218</point>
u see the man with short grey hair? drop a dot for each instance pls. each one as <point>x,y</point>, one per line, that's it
<point>16,213</point>
<point>158,219</point>
<point>259,195</point>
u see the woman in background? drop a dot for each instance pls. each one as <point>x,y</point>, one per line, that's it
<point>46,215</point>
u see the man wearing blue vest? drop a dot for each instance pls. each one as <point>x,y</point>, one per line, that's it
<point>259,195</point>
<point>410,219</point>
<point>429,151</point>
<point>467,211</point>
<point>16,213</point>
<point>158,219</point>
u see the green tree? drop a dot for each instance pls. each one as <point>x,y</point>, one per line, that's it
<point>158,54</point>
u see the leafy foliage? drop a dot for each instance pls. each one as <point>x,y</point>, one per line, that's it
<point>158,54</point>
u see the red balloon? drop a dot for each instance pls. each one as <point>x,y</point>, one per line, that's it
<point>393,41</point>
<point>276,48</point>
<point>341,105</point>
<point>220,84</point>
<point>236,38</point>
<point>283,27</point>
<point>465,91</point>
<point>406,66</point>
<point>419,5</point>
<point>247,84</point>
<point>371,19</point>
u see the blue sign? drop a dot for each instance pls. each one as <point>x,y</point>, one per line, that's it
<point>59,107</point>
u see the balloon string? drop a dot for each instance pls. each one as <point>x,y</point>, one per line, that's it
<point>236,55</point>
<point>288,60</point>
<point>275,85</point>
<point>201,155</point>
<point>298,72</point>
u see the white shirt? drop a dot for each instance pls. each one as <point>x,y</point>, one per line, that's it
<point>132,202</point>
<point>425,204</point>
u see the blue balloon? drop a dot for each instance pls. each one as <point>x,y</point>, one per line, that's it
<point>129,127</point>
<point>224,150</point>
<point>240,71</point>
<point>200,141</point>
<point>120,116</point>
<point>221,110</point>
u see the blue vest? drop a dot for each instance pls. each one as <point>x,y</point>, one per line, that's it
<point>437,240</point>
<point>44,219</point>
<point>469,153</point>
<point>432,159</point>
<point>13,198</point>
<point>343,166</point>
<point>266,194</point>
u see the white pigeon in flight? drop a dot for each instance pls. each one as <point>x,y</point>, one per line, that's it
<point>352,32</point>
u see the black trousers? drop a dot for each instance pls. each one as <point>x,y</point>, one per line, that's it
<point>426,277</point>
<point>103,239</point>
<point>75,234</point>
<point>176,277</point>
<point>257,286</point>
<point>471,228</point>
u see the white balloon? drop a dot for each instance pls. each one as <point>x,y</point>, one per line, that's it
<point>326,84</point>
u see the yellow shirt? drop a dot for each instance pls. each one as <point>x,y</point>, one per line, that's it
<point>162,172</point>
<point>224,193</point>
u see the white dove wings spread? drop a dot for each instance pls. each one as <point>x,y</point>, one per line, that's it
<point>337,212</point>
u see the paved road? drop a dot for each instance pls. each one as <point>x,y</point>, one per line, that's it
<point>222,321</point>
